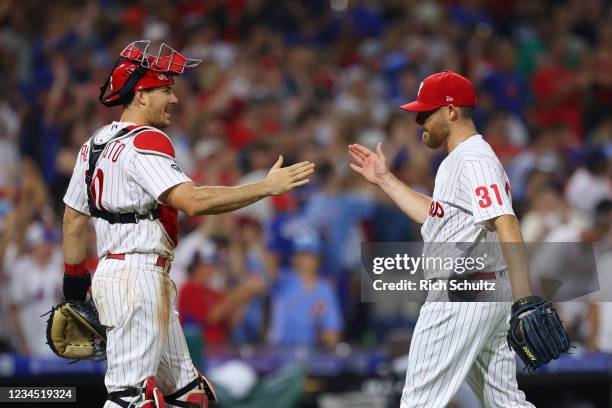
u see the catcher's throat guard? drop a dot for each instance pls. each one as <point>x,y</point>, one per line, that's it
<point>138,69</point>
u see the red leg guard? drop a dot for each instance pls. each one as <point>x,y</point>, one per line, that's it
<point>198,398</point>
<point>153,395</point>
<point>198,393</point>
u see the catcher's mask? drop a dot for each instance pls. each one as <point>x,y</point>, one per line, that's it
<point>137,69</point>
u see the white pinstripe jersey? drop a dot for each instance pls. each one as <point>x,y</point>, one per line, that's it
<point>131,173</point>
<point>471,188</point>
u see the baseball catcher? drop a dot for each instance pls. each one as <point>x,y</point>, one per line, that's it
<point>127,180</point>
<point>536,333</point>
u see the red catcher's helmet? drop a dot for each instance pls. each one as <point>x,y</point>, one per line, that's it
<point>136,69</point>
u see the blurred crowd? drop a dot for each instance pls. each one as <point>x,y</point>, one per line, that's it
<point>303,79</point>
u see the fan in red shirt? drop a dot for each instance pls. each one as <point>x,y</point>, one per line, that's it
<point>558,91</point>
<point>216,311</point>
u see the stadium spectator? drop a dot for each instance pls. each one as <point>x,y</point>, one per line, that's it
<point>249,258</point>
<point>565,267</point>
<point>281,228</point>
<point>204,299</point>
<point>305,310</point>
<point>508,87</point>
<point>548,211</point>
<point>36,286</point>
<point>591,183</point>
<point>558,92</point>
<point>304,79</point>
<point>541,155</point>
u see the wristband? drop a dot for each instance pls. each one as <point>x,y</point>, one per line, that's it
<point>75,270</point>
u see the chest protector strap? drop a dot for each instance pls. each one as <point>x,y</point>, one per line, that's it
<point>95,150</point>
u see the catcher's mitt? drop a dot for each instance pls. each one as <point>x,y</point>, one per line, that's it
<point>74,331</point>
<point>536,333</point>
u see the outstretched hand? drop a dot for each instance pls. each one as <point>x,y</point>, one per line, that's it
<point>282,179</point>
<point>372,166</point>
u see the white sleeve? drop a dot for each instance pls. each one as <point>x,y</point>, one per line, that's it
<point>156,173</point>
<point>76,195</point>
<point>489,189</point>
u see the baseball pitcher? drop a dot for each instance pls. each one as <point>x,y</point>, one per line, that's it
<point>456,341</point>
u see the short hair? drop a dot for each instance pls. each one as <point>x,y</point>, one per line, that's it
<point>132,94</point>
<point>466,112</point>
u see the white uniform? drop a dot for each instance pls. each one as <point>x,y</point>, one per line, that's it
<point>457,341</point>
<point>135,297</point>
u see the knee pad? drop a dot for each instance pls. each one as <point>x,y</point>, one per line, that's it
<point>197,394</point>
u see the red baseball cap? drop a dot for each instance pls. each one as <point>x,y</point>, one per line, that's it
<point>442,89</point>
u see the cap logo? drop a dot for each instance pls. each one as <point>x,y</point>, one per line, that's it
<point>420,87</point>
<point>162,77</point>
<point>449,99</point>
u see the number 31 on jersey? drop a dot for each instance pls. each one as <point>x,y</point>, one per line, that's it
<point>483,193</point>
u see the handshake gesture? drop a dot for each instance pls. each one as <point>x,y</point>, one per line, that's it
<point>371,165</point>
<point>282,179</point>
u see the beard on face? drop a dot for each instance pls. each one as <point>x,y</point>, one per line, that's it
<point>437,135</point>
<point>158,117</point>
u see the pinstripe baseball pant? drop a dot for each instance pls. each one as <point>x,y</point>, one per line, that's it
<point>136,302</point>
<point>457,341</point>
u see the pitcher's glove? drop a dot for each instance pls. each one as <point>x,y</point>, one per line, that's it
<point>74,331</point>
<point>536,333</point>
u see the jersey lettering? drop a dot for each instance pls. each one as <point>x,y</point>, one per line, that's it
<point>436,210</point>
<point>114,150</point>
<point>84,152</point>
<point>97,184</point>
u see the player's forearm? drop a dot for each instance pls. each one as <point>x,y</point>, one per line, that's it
<point>216,200</point>
<point>414,205</point>
<point>75,231</point>
<point>515,255</point>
